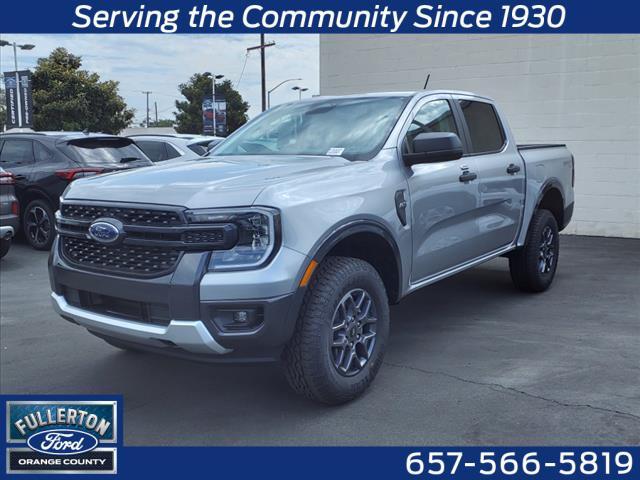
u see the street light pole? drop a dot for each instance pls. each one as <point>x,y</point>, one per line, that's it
<point>214,77</point>
<point>273,89</point>
<point>18,92</point>
<point>147,94</point>
<point>300,90</point>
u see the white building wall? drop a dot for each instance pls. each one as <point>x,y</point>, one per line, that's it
<point>582,90</point>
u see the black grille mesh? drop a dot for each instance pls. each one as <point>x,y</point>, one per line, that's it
<point>123,259</point>
<point>210,236</point>
<point>128,216</point>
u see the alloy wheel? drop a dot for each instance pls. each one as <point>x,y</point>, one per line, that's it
<point>354,332</point>
<point>38,225</point>
<point>547,251</point>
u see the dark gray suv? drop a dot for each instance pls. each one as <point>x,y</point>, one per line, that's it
<point>43,165</point>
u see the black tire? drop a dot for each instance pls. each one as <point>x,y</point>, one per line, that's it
<point>312,364</point>
<point>533,266</point>
<point>4,247</point>
<point>38,224</point>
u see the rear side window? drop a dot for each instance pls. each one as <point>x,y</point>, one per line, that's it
<point>197,148</point>
<point>484,127</point>
<point>171,151</point>
<point>16,152</point>
<point>42,153</point>
<point>156,151</point>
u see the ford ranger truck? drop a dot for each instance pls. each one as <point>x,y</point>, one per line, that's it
<point>293,238</point>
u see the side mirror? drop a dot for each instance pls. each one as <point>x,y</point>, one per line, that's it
<point>434,147</point>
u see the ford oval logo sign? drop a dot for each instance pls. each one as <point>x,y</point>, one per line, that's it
<point>62,442</point>
<point>106,231</point>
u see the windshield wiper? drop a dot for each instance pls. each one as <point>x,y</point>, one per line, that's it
<point>129,159</point>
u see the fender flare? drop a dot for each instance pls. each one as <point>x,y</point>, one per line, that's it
<point>354,226</point>
<point>548,185</point>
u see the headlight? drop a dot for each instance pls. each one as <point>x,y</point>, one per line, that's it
<point>258,231</point>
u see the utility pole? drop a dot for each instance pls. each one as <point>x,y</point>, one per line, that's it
<point>147,94</point>
<point>155,104</point>
<point>262,48</point>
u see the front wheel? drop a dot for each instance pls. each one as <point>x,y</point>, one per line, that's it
<point>534,265</point>
<point>341,335</point>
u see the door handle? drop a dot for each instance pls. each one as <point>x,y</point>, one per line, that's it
<point>468,176</point>
<point>513,168</point>
<point>19,177</point>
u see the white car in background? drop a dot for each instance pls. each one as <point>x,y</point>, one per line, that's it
<point>161,147</point>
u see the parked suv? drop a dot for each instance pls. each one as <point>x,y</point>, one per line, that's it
<point>43,165</point>
<point>293,239</point>
<point>9,209</point>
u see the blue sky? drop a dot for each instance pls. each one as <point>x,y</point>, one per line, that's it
<point>159,63</point>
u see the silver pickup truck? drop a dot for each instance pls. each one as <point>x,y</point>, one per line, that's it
<point>292,239</point>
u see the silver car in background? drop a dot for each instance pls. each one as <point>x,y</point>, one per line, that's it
<point>162,147</point>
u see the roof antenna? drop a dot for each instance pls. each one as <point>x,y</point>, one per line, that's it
<point>426,82</point>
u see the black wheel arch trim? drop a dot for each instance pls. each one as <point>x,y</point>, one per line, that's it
<point>354,226</point>
<point>550,184</point>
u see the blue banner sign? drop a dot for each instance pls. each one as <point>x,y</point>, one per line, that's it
<point>327,16</point>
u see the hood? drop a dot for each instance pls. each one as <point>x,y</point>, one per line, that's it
<point>206,183</point>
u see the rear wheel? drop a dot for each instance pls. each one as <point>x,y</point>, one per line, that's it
<point>534,265</point>
<point>341,334</point>
<point>38,223</point>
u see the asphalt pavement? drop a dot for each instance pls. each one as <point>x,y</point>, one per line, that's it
<point>471,361</point>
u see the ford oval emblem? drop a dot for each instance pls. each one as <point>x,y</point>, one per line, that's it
<point>62,442</point>
<point>106,231</point>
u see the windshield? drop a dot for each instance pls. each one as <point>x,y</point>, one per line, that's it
<point>353,128</point>
<point>106,150</point>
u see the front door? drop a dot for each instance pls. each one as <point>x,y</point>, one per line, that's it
<point>443,196</point>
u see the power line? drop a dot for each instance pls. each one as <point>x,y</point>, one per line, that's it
<point>244,65</point>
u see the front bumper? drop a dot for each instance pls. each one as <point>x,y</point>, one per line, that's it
<point>6,232</point>
<point>185,303</point>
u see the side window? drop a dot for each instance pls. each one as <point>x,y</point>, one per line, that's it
<point>435,116</point>
<point>484,126</point>
<point>154,150</point>
<point>42,153</point>
<point>16,153</point>
<point>171,152</point>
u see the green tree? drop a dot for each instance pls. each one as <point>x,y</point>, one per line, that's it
<point>163,122</point>
<point>189,114</point>
<point>68,98</point>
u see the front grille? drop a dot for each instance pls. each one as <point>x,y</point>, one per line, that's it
<point>155,313</point>
<point>128,216</point>
<point>121,259</point>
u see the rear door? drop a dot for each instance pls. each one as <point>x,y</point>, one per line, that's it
<point>501,177</point>
<point>442,203</point>
<point>17,157</point>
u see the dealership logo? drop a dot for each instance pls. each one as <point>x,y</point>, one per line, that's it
<point>107,231</point>
<point>62,442</point>
<point>61,436</point>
